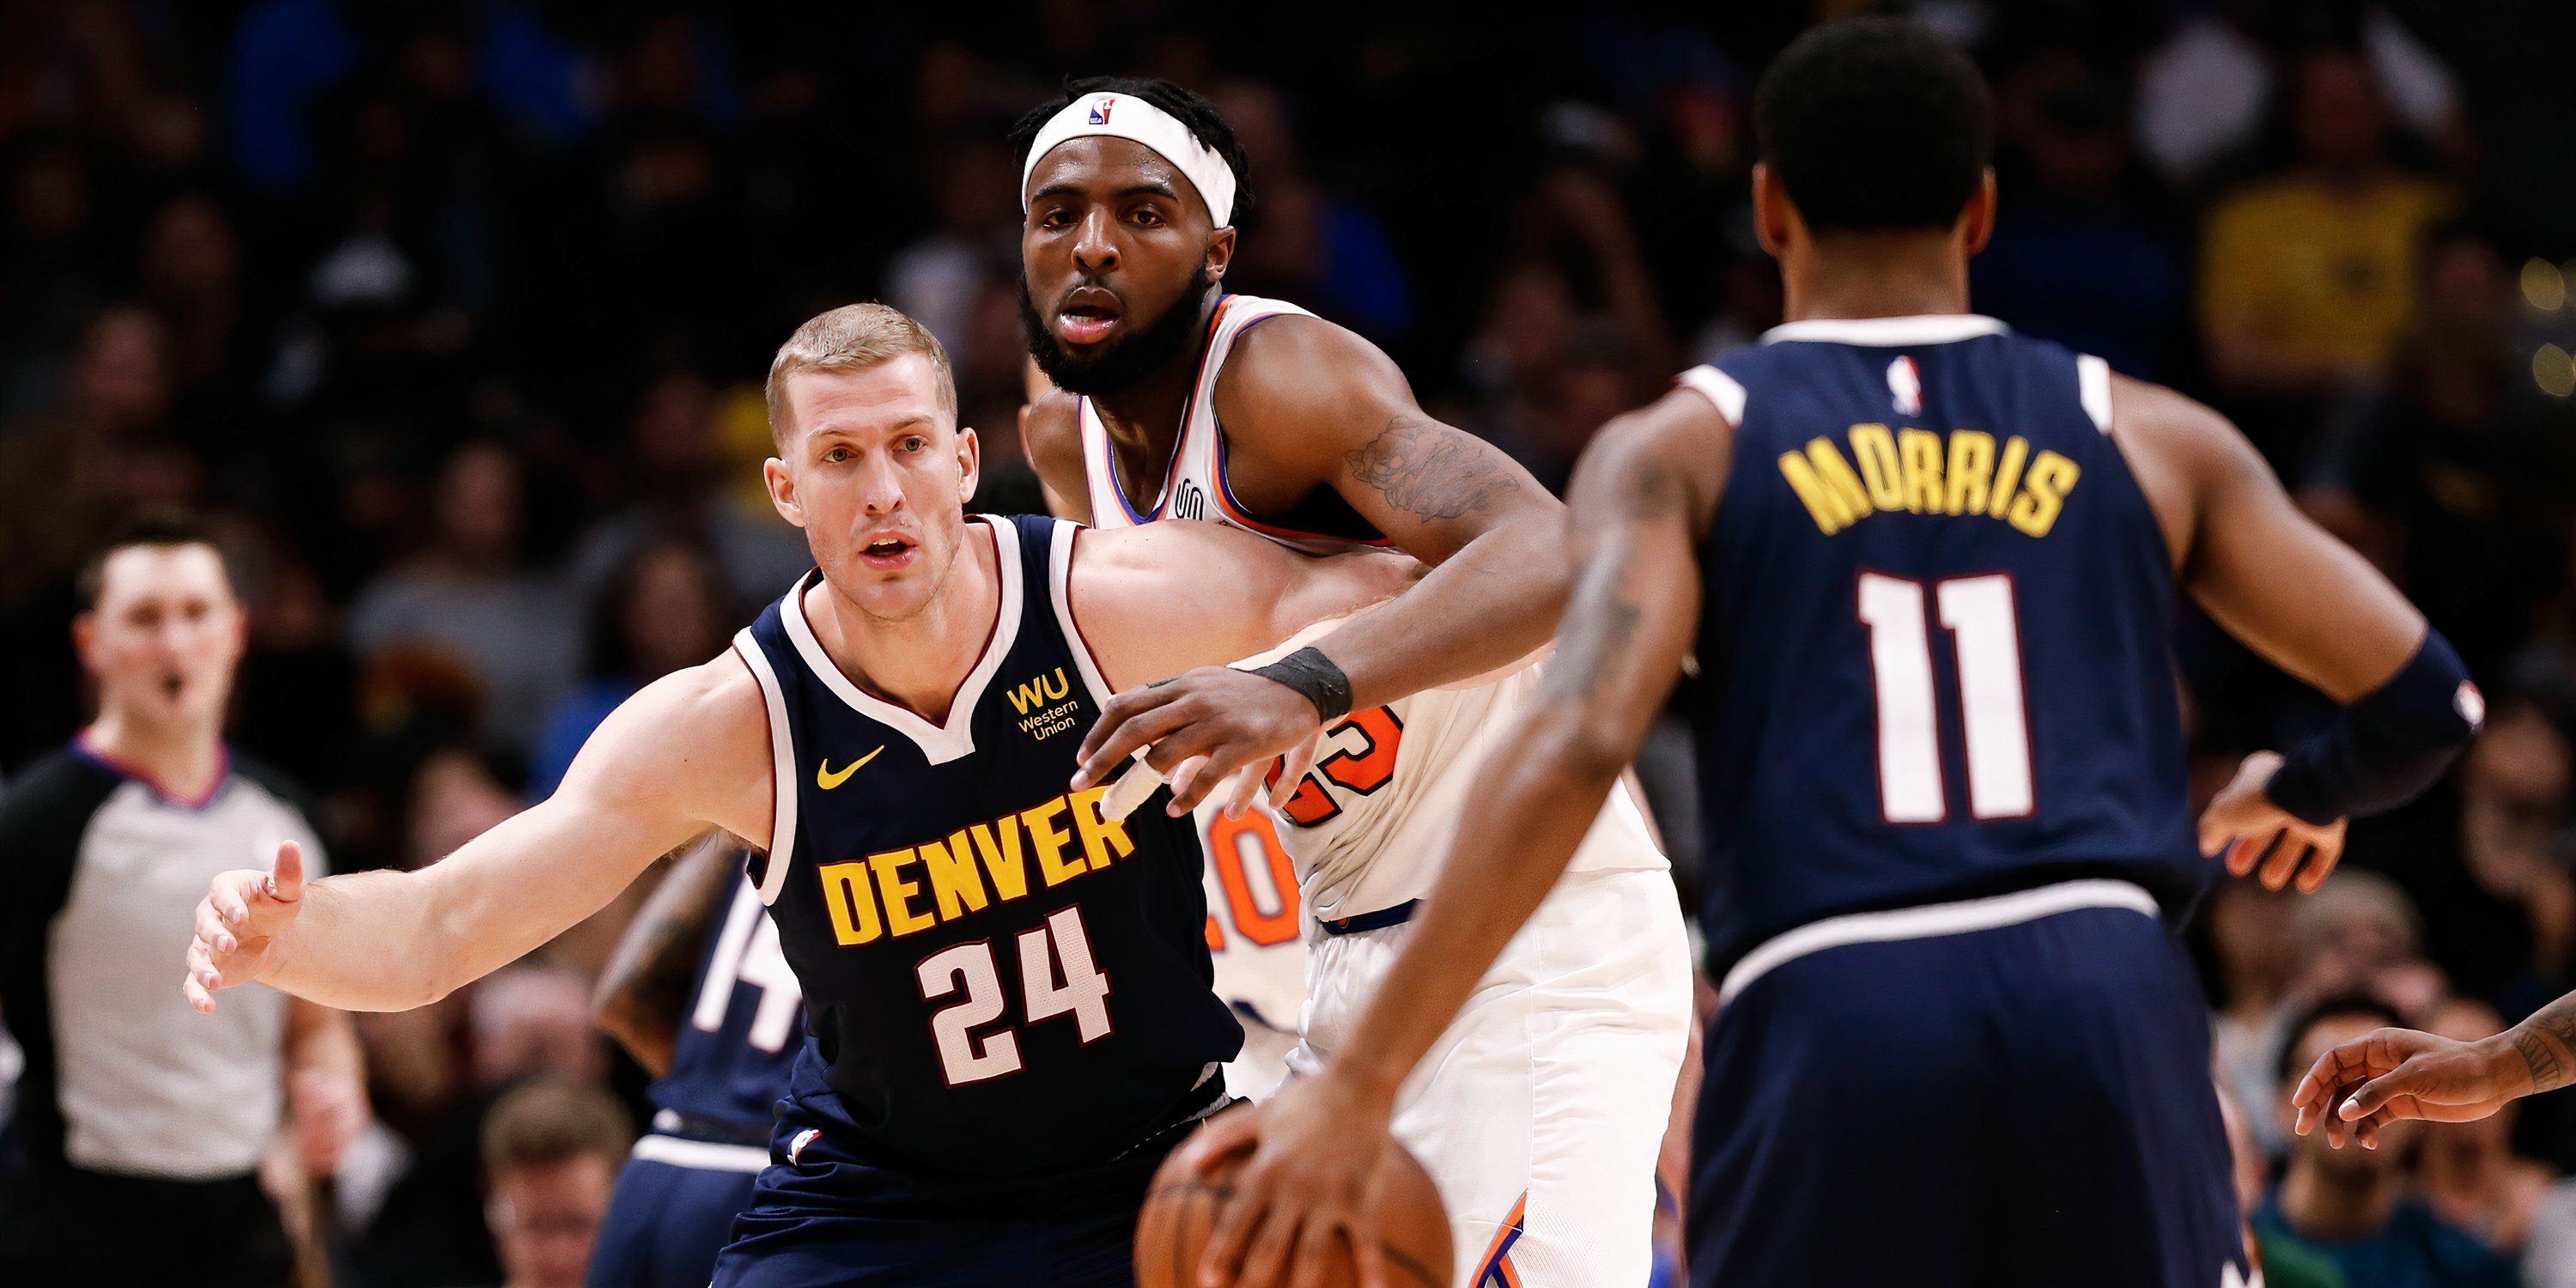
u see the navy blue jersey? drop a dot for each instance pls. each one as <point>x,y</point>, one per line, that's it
<point>1000,980</point>
<point>1936,632</point>
<point>745,1021</point>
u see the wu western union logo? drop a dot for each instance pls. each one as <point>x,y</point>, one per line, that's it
<point>828,778</point>
<point>1039,693</point>
<point>882,895</point>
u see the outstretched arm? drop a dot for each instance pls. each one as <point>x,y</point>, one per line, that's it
<point>646,987</point>
<point>2388,1074</point>
<point>1316,401</point>
<point>688,753</point>
<point>1642,495</point>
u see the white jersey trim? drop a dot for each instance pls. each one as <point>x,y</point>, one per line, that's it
<point>704,1155</point>
<point>1718,387</point>
<point>782,769</point>
<point>939,743</point>
<point>2093,385</point>
<point>1060,585</point>
<point>1931,921</point>
<point>1926,328</point>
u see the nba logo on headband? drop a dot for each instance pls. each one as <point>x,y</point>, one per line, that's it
<point>1100,110</point>
<point>1139,121</point>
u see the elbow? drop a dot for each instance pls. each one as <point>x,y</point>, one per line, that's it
<point>1583,751</point>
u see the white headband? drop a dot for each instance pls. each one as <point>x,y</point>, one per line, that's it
<point>1125,116</point>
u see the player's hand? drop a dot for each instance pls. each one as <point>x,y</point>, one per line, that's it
<point>2254,831</point>
<point>2388,1074</point>
<point>1314,1181</point>
<point>1221,718</point>
<point>240,923</point>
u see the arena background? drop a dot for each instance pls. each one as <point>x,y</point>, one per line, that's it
<point>452,316</point>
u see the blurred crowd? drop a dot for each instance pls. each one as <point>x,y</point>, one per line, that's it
<point>452,317</point>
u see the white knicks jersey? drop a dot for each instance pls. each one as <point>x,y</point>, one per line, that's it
<point>1194,480</point>
<point>1369,822</point>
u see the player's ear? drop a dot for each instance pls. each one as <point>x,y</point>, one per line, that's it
<point>1772,217</point>
<point>970,463</point>
<point>85,639</point>
<point>1220,253</point>
<point>782,490</point>
<point>1977,218</point>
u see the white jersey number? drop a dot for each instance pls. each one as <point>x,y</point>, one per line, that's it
<point>1057,977</point>
<point>747,952</point>
<point>1978,611</point>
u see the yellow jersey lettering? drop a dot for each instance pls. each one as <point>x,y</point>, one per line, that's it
<point>2051,477</point>
<point>853,903</point>
<point>898,891</point>
<point>1825,482</point>
<point>1047,838</point>
<point>1001,858</point>
<point>1921,451</point>
<point>1040,691</point>
<point>954,883</point>
<point>2008,474</point>
<point>1972,466</point>
<point>1876,449</point>
<point>1103,842</point>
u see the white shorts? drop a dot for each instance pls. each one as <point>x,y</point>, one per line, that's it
<point>1541,1110</point>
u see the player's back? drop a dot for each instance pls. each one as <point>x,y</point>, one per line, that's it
<point>1935,637</point>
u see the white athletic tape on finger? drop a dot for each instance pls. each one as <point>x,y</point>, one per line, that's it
<point>1130,790</point>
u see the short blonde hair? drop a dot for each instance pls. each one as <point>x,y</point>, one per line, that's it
<point>852,337</point>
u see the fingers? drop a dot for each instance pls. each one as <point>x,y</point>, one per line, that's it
<point>1231,1236</point>
<point>2374,1099</point>
<point>201,982</point>
<point>1213,766</point>
<point>212,931</point>
<point>1185,776</point>
<point>1265,1265</point>
<point>1240,789</point>
<point>2287,849</point>
<point>2243,852</point>
<point>286,880</point>
<point>1122,740</point>
<point>2323,855</point>
<point>1219,1139</point>
<point>1110,739</point>
<point>1293,768</point>
<point>1366,1255</point>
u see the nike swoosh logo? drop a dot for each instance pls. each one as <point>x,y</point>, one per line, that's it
<point>827,779</point>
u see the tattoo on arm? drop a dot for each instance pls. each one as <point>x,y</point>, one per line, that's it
<point>2547,1040</point>
<point>1430,470</point>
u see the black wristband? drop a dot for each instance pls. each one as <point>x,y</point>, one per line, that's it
<point>2384,749</point>
<point>1315,678</point>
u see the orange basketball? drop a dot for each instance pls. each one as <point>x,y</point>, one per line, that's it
<point>1180,1211</point>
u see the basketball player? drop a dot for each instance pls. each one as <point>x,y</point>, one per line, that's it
<point>700,994</point>
<point>1011,1015</point>
<point>1927,567</point>
<point>1541,1115</point>
<point>2387,1075</point>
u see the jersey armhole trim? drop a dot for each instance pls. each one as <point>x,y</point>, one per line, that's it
<point>782,769</point>
<point>2093,387</point>
<point>1060,597</point>
<point>1719,388</point>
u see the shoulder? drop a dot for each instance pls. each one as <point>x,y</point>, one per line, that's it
<point>685,732</point>
<point>1310,369</point>
<point>54,794</point>
<point>2175,427</point>
<point>1112,558</point>
<point>1679,446</point>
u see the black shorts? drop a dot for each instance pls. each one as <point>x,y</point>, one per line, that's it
<point>103,1231</point>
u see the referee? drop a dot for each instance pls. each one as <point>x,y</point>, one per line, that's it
<point>132,1152</point>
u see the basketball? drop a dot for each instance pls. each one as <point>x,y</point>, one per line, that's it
<point>1181,1208</point>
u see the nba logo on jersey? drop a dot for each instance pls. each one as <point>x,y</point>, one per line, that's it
<point>1100,110</point>
<point>1906,384</point>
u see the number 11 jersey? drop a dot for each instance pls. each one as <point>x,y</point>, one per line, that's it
<point>1000,980</point>
<point>1936,632</point>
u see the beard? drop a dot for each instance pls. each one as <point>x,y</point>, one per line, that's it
<point>1123,361</point>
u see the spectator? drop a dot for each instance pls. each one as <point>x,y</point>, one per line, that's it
<point>551,1149</point>
<point>2350,1204</point>
<point>2287,1262</point>
<point>469,595</point>
<point>2469,1173</point>
<point>2307,278</point>
<point>666,610</point>
<point>2249,933</point>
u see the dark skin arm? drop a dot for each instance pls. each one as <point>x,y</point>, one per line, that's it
<point>1051,430</point>
<point>646,988</point>
<point>2388,1074</point>
<point>2276,581</point>
<point>1306,404</point>
<point>1645,491</point>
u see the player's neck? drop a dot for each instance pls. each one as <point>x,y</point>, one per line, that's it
<point>1144,419</point>
<point>181,761</point>
<point>919,661</point>
<point>1874,275</point>
<point>2324,1203</point>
